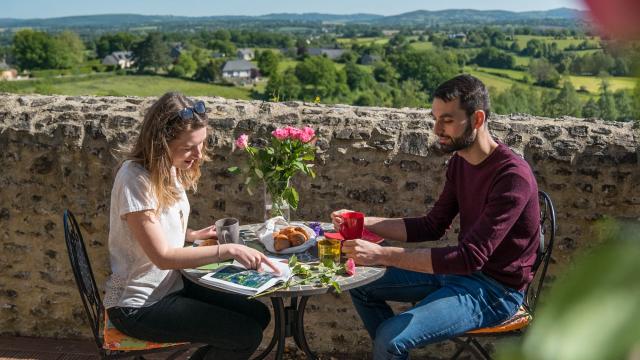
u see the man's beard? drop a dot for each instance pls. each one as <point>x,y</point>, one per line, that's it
<point>460,143</point>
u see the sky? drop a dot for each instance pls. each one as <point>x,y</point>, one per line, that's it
<point>26,9</point>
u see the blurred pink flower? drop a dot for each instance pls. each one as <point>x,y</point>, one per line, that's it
<point>350,267</point>
<point>307,134</point>
<point>242,141</point>
<point>280,133</point>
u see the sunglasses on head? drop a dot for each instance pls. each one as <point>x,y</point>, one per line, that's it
<point>187,113</point>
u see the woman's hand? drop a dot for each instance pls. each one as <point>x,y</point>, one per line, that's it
<point>249,258</point>
<point>203,234</point>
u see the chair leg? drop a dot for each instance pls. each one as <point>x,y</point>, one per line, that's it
<point>472,346</point>
<point>481,349</point>
<point>176,354</point>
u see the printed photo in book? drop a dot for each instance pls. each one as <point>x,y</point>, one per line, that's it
<point>238,279</point>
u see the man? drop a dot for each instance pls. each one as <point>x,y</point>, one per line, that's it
<point>481,281</point>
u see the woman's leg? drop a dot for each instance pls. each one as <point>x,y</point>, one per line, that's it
<point>179,317</point>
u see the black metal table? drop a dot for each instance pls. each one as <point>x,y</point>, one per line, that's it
<point>289,319</point>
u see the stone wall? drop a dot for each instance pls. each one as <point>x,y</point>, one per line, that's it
<point>57,153</point>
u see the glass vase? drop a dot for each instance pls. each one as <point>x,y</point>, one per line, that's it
<point>274,202</point>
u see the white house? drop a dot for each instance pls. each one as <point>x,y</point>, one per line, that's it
<point>332,54</point>
<point>239,70</point>
<point>121,59</point>
<point>246,54</point>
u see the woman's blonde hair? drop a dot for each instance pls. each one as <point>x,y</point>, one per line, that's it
<point>161,125</point>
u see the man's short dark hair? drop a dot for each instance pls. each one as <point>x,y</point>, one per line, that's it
<point>470,90</point>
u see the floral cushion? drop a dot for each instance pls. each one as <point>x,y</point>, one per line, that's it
<point>115,340</point>
<point>519,320</point>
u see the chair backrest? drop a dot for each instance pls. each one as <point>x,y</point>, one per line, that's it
<point>83,274</point>
<point>547,238</point>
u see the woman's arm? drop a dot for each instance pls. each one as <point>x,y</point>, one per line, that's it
<point>147,231</point>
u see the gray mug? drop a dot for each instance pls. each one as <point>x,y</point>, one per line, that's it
<point>228,230</point>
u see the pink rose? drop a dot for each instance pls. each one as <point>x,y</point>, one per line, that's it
<point>280,133</point>
<point>350,267</point>
<point>307,134</point>
<point>242,141</point>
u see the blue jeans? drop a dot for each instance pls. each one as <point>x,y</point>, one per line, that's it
<point>446,306</point>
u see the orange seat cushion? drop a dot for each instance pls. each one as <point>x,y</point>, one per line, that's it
<point>115,340</point>
<point>519,320</point>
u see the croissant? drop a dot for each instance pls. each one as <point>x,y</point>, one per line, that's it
<point>297,238</point>
<point>280,243</point>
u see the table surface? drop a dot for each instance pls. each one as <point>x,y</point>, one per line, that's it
<point>363,275</point>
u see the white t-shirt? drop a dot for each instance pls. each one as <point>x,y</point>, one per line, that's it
<point>135,281</point>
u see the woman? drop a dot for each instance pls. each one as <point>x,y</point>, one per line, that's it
<point>146,297</point>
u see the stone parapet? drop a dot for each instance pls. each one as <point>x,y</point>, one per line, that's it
<point>58,152</point>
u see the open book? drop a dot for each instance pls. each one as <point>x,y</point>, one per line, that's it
<point>237,278</point>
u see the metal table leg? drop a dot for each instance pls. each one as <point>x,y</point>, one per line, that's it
<point>288,322</point>
<point>279,329</point>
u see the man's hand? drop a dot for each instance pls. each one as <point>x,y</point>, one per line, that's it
<point>364,252</point>
<point>336,218</point>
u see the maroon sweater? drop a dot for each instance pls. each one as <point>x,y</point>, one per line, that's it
<point>499,219</point>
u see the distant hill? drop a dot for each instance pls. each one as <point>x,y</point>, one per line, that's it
<point>419,17</point>
<point>468,16</point>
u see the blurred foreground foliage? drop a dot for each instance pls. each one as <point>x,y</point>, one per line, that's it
<point>593,311</point>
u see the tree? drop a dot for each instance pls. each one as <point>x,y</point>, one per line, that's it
<point>410,94</point>
<point>185,66</point>
<point>31,49</point>
<point>357,78</point>
<point>492,57</point>
<point>385,72</point>
<point>66,51</point>
<point>319,72</point>
<point>517,99</point>
<point>566,102</point>
<point>152,52</point>
<point>430,68</point>
<point>225,47</point>
<point>607,103</point>
<point>635,101</point>
<point>543,72</point>
<point>624,105</point>
<point>591,109</point>
<point>283,86</point>
<point>120,41</point>
<point>209,72</point>
<point>268,62</point>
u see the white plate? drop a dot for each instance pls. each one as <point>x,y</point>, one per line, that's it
<point>265,234</point>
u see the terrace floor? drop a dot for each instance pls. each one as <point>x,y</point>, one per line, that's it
<point>27,348</point>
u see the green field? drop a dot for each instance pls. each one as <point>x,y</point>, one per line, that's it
<point>503,78</point>
<point>489,80</point>
<point>562,43</point>
<point>592,84</point>
<point>422,45</point>
<point>130,85</point>
<point>363,40</point>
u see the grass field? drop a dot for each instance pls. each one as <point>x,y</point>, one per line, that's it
<point>132,85</point>
<point>363,40</point>
<point>422,45</point>
<point>562,43</point>
<point>503,78</point>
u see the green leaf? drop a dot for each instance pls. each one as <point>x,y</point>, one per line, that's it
<point>259,173</point>
<point>336,286</point>
<point>234,170</point>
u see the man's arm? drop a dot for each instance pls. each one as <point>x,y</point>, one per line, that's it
<point>391,229</point>
<point>366,253</point>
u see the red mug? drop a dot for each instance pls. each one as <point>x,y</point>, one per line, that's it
<point>352,225</point>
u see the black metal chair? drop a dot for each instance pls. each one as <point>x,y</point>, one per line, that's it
<point>517,323</point>
<point>95,311</point>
